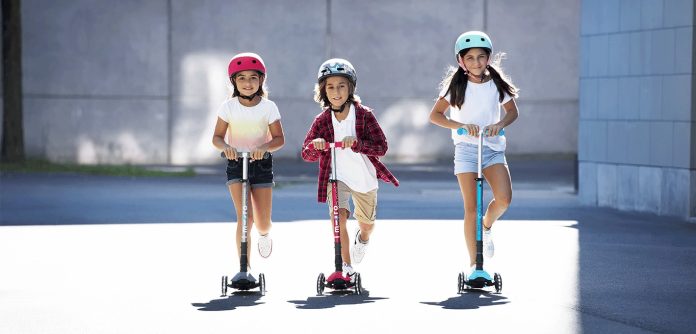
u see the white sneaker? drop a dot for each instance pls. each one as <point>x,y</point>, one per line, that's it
<point>359,248</point>
<point>488,247</point>
<point>349,271</point>
<point>265,244</point>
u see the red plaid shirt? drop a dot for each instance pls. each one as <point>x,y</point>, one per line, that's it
<point>370,141</point>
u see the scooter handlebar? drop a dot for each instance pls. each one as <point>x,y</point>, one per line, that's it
<point>462,131</point>
<point>338,144</point>
<point>266,155</point>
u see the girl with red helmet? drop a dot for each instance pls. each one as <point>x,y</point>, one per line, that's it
<point>473,93</point>
<point>250,122</point>
<point>345,119</point>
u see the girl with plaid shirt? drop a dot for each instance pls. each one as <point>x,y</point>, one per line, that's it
<point>345,119</point>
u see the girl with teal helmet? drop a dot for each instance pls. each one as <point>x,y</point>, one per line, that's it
<point>473,93</point>
<point>473,39</point>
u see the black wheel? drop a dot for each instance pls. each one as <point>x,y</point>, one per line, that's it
<point>460,283</point>
<point>262,284</point>
<point>224,286</point>
<point>498,282</point>
<point>320,284</point>
<point>358,284</point>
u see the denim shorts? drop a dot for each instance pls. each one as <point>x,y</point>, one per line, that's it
<point>466,158</point>
<point>260,172</point>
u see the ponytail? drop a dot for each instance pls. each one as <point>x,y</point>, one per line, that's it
<point>501,81</point>
<point>455,81</point>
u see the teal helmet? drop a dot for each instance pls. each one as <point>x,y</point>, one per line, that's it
<point>337,66</point>
<point>473,39</point>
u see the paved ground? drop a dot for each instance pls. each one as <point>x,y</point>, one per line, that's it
<point>145,255</point>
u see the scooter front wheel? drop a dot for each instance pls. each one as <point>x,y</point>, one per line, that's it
<point>358,284</point>
<point>262,284</point>
<point>460,283</point>
<point>320,284</point>
<point>498,282</point>
<point>224,286</point>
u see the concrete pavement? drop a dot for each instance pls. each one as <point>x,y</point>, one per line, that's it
<point>145,255</point>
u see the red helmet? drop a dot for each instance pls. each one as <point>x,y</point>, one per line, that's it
<point>244,62</point>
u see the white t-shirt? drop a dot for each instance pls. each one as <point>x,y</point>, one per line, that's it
<point>481,107</point>
<point>248,126</point>
<point>353,169</point>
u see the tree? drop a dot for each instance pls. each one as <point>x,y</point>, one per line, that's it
<point>12,127</point>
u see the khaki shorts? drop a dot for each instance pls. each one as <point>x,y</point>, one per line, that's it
<point>365,203</point>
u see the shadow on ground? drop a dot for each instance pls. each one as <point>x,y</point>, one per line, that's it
<point>335,298</point>
<point>235,300</point>
<point>471,299</point>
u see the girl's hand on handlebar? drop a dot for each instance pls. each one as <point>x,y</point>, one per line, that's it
<point>349,141</point>
<point>258,153</point>
<point>493,130</point>
<point>319,144</point>
<point>230,152</point>
<point>471,129</point>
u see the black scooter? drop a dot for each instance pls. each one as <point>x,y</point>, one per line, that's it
<point>243,280</point>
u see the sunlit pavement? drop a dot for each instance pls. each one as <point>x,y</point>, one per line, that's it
<point>565,269</point>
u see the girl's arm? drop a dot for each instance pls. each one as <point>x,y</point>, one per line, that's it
<point>511,115</point>
<point>374,142</point>
<point>311,154</point>
<point>437,115</point>
<point>277,141</point>
<point>219,139</point>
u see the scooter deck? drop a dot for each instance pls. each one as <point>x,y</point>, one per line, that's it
<point>337,281</point>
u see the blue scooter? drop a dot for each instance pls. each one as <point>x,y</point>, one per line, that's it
<point>479,278</point>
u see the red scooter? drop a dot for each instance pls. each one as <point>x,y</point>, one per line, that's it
<point>337,280</point>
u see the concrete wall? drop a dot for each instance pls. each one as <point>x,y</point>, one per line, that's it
<point>637,129</point>
<point>139,81</point>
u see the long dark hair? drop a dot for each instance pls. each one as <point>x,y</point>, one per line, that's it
<point>456,80</point>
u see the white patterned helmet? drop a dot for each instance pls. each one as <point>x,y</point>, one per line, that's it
<point>337,66</point>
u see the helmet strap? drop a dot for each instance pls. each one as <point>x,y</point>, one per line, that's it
<point>461,64</point>
<point>248,98</point>
<point>341,108</point>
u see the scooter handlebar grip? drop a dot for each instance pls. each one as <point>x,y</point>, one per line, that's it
<point>338,144</point>
<point>462,131</point>
<point>266,155</point>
